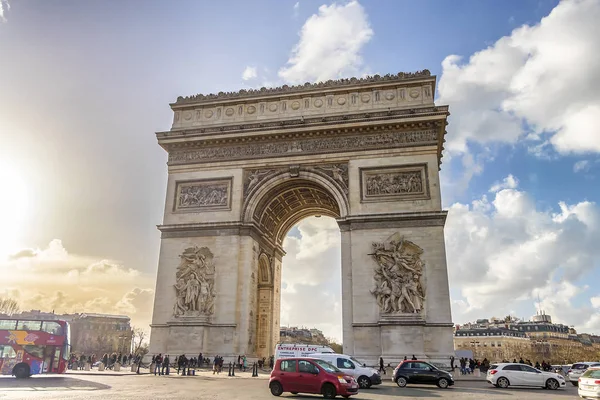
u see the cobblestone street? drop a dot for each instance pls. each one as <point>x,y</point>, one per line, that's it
<point>106,387</point>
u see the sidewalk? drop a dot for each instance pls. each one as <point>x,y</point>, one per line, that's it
<point>107,372</point>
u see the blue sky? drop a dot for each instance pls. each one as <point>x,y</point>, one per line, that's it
<point>84,86</point>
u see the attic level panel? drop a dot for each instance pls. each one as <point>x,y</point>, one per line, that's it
<point>292,103</point>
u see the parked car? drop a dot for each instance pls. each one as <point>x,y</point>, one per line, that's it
<point>577,369</point>
<point>589,384</point>
<point>504,375</point>
<point>310,375</point>
<point>421,372</point>
<point>364,376</point>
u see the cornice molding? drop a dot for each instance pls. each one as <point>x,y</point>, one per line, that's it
<point>299,123</point>
<point>285,89</point>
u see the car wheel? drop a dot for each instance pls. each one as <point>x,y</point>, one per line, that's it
<point>276,388</point>
<point>502,383</point>
<point>574,383</point>
<point>401,381</point>
<point>364,382</point>
<point>21,371</point>
<point>328,391</point>
<point>552,384</point>
<point>443,383</point>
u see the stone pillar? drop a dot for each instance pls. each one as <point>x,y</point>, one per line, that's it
<point>347,330</point>
<point>426,334</point>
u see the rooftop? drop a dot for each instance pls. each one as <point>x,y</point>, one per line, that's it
<point>307,87</point>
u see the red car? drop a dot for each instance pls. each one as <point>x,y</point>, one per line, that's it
<point>309,375</point>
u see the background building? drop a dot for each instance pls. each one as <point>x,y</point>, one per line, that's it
<point>539,339</point>
<point>301,335</point>
<point>101,333</point>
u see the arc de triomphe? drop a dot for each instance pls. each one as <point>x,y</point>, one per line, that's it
<point>244,167</point>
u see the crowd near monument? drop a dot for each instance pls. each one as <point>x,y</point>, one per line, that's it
<point>244,167</point>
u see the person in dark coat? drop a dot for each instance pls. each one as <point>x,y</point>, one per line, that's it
<point>381,365</point>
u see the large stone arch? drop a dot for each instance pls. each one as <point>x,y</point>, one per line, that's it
<point>245,167</point>
<point>285,198</point>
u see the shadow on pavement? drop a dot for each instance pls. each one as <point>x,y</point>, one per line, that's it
<point>427,391</point>
<point>49,383</point>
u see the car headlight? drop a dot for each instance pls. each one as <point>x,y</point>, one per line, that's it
<point>341,379</point>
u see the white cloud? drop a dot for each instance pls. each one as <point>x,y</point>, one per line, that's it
<point>311,277</point>
<point>330,44</point>
<point>4,7</point>
<point>296,8</point>
<point>510,182</point>
<point>595,302</point>
<point>53,279</point>
<point>545,76</point>
<point>249,73</point>
<point>583,165</point>
<point>503,250</point>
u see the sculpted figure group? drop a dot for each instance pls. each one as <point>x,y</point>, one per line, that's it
<point>398,273</point>
<point>195,281</point>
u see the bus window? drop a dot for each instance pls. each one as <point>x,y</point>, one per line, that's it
<point>51,327</point>
<point>7,324</point>
<point>7,352</point>
<point>29,325</point>
<point>36,351</point>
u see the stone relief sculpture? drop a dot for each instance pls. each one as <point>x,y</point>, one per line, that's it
<point>339,173</point>
<point>398,274</point>
<point>195,281</point>
<point>394,183</point>
<point>202,194</point>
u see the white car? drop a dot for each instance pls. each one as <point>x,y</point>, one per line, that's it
<point>365,376</point>
<point>577,369</point>
<point>504,375</point>
<point>589,384</point>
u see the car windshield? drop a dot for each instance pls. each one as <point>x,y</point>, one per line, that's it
<point>356,361</point>
<point>326,366</point>
<point>493,366</point>
<point>591,373</point>
<point>579,366</point>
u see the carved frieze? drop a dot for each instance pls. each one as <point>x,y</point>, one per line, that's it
<point>407,182</point>
<point>398,276</point>
<point>305,146</point>
<point>195,283</point>
<point>203,195</point>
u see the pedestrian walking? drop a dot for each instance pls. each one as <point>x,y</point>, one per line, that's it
<point>381,365</point>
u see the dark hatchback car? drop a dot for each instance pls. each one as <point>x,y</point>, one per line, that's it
<point>421,373</point>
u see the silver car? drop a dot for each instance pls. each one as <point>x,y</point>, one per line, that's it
<point>578,369</point>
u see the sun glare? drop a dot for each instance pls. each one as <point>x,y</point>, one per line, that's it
<point>14,209</point>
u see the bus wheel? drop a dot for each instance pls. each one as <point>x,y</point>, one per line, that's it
<point>21,371</point>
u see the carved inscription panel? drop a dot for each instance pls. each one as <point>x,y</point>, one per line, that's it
<point>407,182</point>
<point>203,195</point>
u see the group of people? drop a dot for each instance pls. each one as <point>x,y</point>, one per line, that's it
<point>79,362</point>
<point>468,365</point>
<point>544,366</point>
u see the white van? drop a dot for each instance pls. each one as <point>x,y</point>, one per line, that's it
<point>289,350</point>
<point>364,376</point>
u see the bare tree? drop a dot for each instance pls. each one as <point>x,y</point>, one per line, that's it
<point>8,306</point>
<point>137,340</point>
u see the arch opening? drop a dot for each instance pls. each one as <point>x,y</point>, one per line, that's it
<point>311,287</point>
<point>287,203</point>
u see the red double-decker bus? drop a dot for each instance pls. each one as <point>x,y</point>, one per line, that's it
<point>29,347</point>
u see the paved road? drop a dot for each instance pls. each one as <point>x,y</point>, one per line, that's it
<point>202,387</point>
